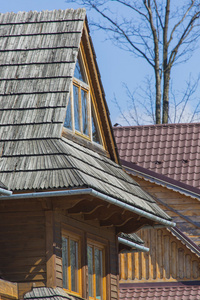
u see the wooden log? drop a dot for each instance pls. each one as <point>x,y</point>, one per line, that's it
<point>50,256</point>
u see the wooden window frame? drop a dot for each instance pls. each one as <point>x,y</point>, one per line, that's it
<point>81,87</point>
<point>85,87</point>
<point>84,238</point>
<point>70,235</point>
<point>101,246</point>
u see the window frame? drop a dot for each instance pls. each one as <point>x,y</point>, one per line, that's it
<point>100,246</point>
<point>81,87</point>
<point>85,238</point>
<point>77,238</point>
<point>87,88</point>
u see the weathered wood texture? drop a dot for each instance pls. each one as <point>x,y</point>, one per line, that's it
<point>22,236</point>
<point>168,260</point>
<point>8,290</point>
<point>31,247</point>
<point>38,55</point>
<point>185,210</point>
<point>89,229</point>
<point>50,253</point>
<point>63,163</point>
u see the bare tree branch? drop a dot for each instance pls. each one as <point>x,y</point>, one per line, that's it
<point>120,30</point>
<point>158,14</point>
<point>181,21</point>
<point>163,33</point>
<point>132,7</point>
<point>115,101</point>
<point>185,34</point>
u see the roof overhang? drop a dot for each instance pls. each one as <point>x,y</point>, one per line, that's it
<point>159,179</point>
<point>94,194</point>
<point>153,219</point>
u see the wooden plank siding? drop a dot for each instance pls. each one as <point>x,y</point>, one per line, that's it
<point>8,290</point>
<point>32,254</point>
<point>22,234</point>
<point>167,260</point>
<point>92,230</point>
<point>185,210</point>
<point>50,253</point>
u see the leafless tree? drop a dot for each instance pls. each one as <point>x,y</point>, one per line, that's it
<point>139,109</point>
<point>162,32</point>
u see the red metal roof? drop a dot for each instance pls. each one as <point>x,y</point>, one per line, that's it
<point>157,292</point>
<point>172,150</point>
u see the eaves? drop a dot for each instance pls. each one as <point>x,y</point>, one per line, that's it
<point>162,180</point>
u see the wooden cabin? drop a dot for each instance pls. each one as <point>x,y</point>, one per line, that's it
<point>66,206</point>
<point>164,160</point>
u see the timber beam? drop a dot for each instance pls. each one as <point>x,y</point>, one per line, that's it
<point>133,225</point>
<point>86,207</point>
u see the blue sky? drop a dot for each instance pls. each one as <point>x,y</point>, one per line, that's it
<point>116,66</point>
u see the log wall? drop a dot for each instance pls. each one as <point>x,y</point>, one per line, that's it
<point>31,249</point>
<point>22,250</point>
<point>92,230</point>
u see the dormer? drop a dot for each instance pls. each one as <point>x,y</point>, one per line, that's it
<point>87,118</point>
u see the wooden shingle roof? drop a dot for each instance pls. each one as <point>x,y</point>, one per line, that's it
<point>44,293</point>
<point>38,56</point>
<point>61,163</point>
<point>2,186</point>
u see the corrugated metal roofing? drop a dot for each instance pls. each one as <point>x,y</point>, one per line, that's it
<point>172,150</point>
<point>37,62</point>
<point>164,292</point>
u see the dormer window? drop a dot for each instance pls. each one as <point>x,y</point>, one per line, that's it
<point>80,115</point>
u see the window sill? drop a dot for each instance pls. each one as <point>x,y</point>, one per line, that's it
<point>79,139</point>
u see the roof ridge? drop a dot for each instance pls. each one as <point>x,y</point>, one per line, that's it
<point>157,125</point>
<point>31,12</point>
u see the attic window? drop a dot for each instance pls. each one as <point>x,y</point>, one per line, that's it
<point>80,115</point>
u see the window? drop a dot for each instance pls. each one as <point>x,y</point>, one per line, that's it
<point>71,263</point>
<point>96,276</point>
<point>80,114</point>
<point>89,261</point>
